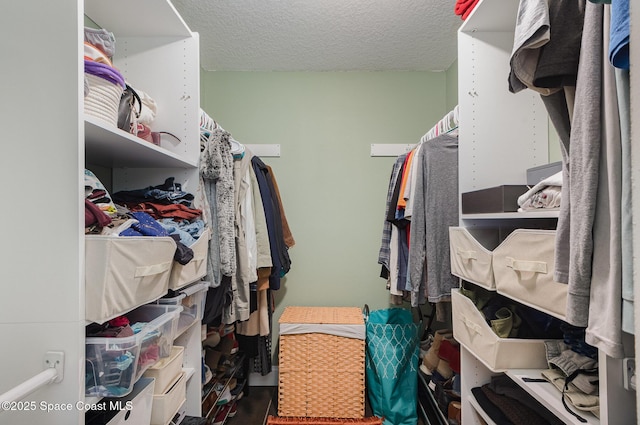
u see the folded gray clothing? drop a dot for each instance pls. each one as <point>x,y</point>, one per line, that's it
<point>578,399</point>
<point>567,361</point>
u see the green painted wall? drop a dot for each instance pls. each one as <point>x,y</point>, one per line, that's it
<point>333,191</point>
<point>452,85</point>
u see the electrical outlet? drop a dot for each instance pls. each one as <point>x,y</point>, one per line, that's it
<point>629,372</point>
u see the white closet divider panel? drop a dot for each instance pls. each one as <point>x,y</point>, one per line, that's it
<point>496,144</point>
<point>168,71</point>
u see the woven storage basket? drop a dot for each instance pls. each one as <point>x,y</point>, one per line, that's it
<point>103,99</point>
<point>321,375</point>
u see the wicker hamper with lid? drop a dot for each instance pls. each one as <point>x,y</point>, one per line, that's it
<point>321,362</point>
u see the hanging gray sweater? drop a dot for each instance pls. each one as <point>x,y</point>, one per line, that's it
<point>216,168</point>
<point>435,209</point>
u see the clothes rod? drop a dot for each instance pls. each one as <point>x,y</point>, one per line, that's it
<point>390,149</point>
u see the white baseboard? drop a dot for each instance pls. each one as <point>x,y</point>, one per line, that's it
<point>270,380</point>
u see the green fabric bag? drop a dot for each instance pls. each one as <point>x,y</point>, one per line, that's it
<point>391,361</point>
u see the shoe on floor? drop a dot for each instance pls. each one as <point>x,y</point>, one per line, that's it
<point>224,397</point>
<point>228,411</point>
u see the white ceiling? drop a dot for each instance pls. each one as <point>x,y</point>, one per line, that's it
<point>323,35</point>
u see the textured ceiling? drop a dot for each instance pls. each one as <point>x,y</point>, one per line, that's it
<point>323,35</point>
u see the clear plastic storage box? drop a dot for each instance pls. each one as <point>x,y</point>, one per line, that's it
<point>192,299</point>
<point>113,365</point>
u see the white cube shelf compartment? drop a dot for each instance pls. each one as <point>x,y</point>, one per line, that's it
<point>472,331</point>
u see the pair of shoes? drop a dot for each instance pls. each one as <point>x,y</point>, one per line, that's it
<point>237,393</point>
<point>454,413</point>
<point>224,394</point>
<point>228,411</point>
<point>230,344</point>
<point>425,344</point>
<point>449,355</point>
<point>431,359</point>
<point>212,339</point>
<point>208,375</point>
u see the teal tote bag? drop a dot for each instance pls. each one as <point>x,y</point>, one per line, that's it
<point>391,365</point>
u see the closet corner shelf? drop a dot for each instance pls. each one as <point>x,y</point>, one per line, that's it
<point>113,148</point>
<point>547,394</point>
<point>512,215</point>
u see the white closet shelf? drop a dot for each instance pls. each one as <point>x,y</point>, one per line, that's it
<point>114,148</point>
<point>511,215</point>
<point>189,372</point>
<point>123,18</point>
<point>492,16</point>
<point>479,410</point>
<point>548,395</point>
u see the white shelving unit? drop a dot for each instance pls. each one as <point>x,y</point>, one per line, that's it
<point>501,135</point>
<point>546,394</point>
<point>478,410</point>
<point>47,144</point>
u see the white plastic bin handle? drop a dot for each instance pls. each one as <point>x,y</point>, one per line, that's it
<point>467,255</point>
<point>527,266</point>
<point>471,325</point>
<point>199,259</point>
<point>143,271</point>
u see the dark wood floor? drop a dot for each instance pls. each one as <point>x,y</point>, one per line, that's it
<point>260,403</point>
<point>254,408</point>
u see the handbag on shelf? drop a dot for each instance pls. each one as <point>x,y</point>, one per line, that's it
<point>128,113</point>
<point>144,132</point>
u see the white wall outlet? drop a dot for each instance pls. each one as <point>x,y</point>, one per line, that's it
<point>629,372</point>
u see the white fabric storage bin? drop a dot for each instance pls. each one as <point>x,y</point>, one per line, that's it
<point>470,260</point>
<point>167,370</point>
<point>166,405</point>
<point>523,266</point>
<point>192,300</point>
<point>472,331</point>
<point>136,407</point>
<point>122,273</point>
<point>182,275</point>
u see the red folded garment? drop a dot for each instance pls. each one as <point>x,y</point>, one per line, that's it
<point>467,12</point>
<point>158,211</point>
<point>94,215</point>
<point>463,8</point>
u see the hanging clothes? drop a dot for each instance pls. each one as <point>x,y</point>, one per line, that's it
<point>604,328</point>
<point>435,209</point>
<point>384,254</point>
<point>216,168</point>
<point>279,250</point>
<point>246,267</point>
